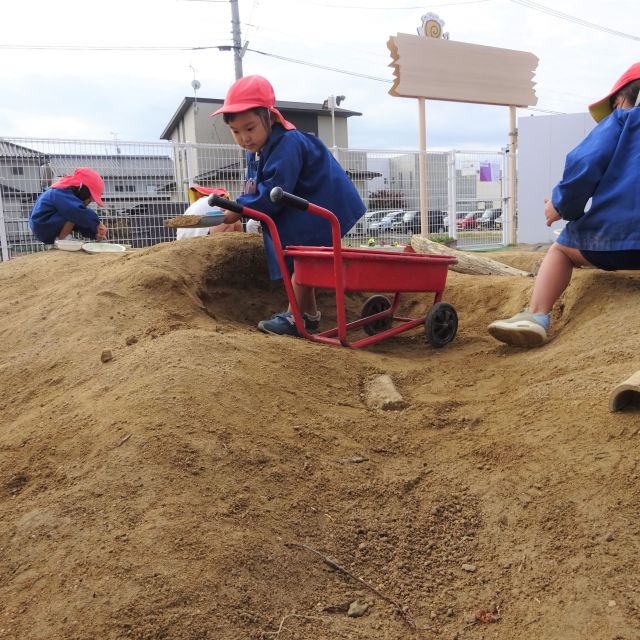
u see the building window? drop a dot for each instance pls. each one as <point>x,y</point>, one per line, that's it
<point>17,171</point>
<point>121,188</point>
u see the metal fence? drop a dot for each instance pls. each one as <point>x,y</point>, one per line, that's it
<point>147,183</point>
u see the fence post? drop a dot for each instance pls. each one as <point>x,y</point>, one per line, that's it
<point>513,146</point>
<point>452,190</point>
<point>4,245</point>
<point>504,193</point>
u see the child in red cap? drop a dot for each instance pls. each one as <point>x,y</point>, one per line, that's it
<point>603,168</point>
<point>200,207</point>
<point>278,155</point>
<point>64,207</point>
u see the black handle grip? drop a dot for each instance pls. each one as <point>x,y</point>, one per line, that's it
<point>278,195</point>
<point>223,203</point>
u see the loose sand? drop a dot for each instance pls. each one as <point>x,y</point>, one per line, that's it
<point>178,489</point>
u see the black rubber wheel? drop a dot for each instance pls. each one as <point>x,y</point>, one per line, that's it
<point>441,324</point>
<point>376,304</point>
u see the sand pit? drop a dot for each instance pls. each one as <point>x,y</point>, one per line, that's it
<point>174,490</point>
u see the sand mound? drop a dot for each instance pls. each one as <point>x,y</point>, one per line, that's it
<point>168,472</point>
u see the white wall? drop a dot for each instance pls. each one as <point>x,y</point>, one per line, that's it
<point>543,143</point>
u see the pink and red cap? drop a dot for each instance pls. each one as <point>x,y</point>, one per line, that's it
<point>250,92</point>
<point>87,177</point>
<point>602,108</point>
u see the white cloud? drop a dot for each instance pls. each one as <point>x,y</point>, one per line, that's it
<point>135,93</point>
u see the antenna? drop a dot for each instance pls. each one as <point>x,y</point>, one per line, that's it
<point>195,84</point>
<point>115,139</point>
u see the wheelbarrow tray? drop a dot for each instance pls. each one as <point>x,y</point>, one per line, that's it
<point>370,269</point>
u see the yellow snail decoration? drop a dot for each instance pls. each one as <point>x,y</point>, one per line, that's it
<point>432,26</point>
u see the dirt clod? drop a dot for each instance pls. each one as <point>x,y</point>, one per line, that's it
<point>169,496</point>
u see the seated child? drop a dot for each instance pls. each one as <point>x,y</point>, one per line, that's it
<point>200,207</point>
<point>64,207</point>
<point>603,168</point>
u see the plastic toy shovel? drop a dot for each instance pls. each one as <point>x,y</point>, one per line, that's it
<point>189,221</point>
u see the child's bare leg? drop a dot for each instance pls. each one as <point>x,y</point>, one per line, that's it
<point>554,276</point>
<point>306,298</point>
<point>67,228</point>
<point>529,329</point>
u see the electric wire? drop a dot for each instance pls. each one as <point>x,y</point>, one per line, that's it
<point>419,7</point>
<point>565,16</point>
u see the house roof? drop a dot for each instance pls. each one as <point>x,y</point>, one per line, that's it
<point>313,108</point>
<point>120,166</point>
<point>11,150</point>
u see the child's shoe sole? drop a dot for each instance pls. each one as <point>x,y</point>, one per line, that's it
<point>519,333</point>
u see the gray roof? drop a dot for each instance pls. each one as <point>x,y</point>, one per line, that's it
<point>313,108</point>
<point>117,166</point>
<point>11,150</point>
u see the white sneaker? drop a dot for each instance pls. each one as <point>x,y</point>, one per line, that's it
<point>521,330</point>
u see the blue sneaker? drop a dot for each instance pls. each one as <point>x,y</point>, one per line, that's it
<point>283,324</point>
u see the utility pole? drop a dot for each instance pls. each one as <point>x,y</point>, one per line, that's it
<point>237,44</point>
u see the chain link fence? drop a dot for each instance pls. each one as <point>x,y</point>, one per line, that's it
<point>147,183</point>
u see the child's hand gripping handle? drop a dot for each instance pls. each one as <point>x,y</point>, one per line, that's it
<point>279,195</point>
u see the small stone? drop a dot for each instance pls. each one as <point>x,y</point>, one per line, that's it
<point>131,340</point>
<point>609,537</point>
<point>381,393</point>
<point>471,568</point>
<point>611,603</point>
<point>357,609</point>
<point>106,355</point>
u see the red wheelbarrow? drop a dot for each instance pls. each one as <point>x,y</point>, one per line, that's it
<point>369,270</point>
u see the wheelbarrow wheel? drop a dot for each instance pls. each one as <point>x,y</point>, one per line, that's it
<point>441,324</point>
<point>376,304</point>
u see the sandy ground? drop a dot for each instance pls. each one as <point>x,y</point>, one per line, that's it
<point>168,472</point>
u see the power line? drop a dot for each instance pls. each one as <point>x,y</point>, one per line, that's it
<point>320,66</point>
<point>565,16</point>
<point>80,47</point>
<point>419,7</point>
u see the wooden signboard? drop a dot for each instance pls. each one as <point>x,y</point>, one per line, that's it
<point>438,69</point>
<point>429,66</point>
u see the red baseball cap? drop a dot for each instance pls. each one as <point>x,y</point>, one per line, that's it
<point>601,109</point>
<point>87,177</point>
<point>196,192</point>
<point>250,92</point>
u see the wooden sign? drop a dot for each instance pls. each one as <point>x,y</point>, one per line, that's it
<point>438,69</point>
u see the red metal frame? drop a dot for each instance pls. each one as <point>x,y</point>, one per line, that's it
<point>348,269</point>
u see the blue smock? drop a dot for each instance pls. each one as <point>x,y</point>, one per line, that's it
<point>605,167</point>
<point>53,208</point>
<point>301,164</point>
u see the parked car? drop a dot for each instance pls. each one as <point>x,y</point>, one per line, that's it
<point>411,222</point>
<point>498,222</point>
<point>385,224</point>
<point>470,220</point>
<point>376,215</point>
<point>445,219</point>
<point>487,220</point>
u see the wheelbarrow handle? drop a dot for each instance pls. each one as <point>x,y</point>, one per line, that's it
<point>223,203</point>
<point>278,194</point>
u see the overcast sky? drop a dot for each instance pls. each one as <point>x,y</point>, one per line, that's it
<point>132,94</point>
